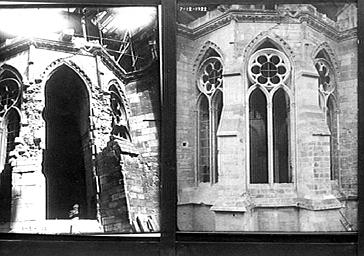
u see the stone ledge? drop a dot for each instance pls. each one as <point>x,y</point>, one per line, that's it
<point>228,209</point>
<point>243,202</point>
<point>319,203</point>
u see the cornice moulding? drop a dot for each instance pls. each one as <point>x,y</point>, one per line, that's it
<point>279,17</point>
<point>15,47</point>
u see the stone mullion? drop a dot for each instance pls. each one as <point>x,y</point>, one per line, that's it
<point>270,140</point>
<point>247,136</point>
<point>338,146</point>
<point>198,146</point>
<point>211,141</point>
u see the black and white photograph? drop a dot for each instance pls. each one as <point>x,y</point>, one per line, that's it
<point>267,117</point>
<point>79,120</point>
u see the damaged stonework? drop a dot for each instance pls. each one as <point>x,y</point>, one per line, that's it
<point>128,189</point>
<point>67,111</point>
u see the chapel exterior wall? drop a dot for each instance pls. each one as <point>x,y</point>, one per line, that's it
<point>312,195</point>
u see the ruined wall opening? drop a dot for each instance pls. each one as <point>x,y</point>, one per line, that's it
<point>67,158</point>
<point>120,125</point>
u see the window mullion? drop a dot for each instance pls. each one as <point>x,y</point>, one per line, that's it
<point>270,139</point>
<point>212,142</point>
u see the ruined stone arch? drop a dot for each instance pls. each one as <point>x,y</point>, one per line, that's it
<point>120,110</point>
<point>121,86</point>
<point>201,54</point>
<point>51,68</point>
<point>66,91</point>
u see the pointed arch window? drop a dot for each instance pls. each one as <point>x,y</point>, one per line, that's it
<point>10,101</point>
<point>120,126</point>
<point>269,117</point>
<point>10,90</point>
<point>327,94</point>
<point>210,103</point>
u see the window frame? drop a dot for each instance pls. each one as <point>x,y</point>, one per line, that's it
<point>326,96</point>
<point>210,95</point>
<point>287,85</point>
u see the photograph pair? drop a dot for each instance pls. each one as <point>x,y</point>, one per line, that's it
<point>266,118</point>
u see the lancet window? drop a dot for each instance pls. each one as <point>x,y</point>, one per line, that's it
<point>327,94</point>
<point>269,103</point>
<point>120,125</point>
<point>209,106</point>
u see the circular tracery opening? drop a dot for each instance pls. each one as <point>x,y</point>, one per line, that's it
<point>268,67</point>
<point>210,75</point>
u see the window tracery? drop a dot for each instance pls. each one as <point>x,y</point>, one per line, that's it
<point>210,103</point>
<point>327,102</point>
<point>326,80</point>
<point>269,117</point>
<point>269,68</point>
<point>9,93</point>
<point>210,76</point>
<point>120,126</point>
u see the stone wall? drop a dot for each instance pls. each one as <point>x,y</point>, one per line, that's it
<point>128,182</point>
<point>311,192</point>
<point>129,170</point>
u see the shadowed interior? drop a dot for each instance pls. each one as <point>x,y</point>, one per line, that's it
<point>67,159</point>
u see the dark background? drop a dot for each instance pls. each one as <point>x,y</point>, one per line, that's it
<point>176,243</point>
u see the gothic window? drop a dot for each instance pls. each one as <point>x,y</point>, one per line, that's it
<point>209,106</point>
<point>327,95</point>
<point>10,91</point>
<point>204,140</point>
<point>269,117</point>
<point>119,117</point>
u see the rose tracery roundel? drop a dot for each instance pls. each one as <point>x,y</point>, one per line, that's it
<point>210,75</point>
<point>268,67</point>
<point>326,76</point>
<point>9,93</point>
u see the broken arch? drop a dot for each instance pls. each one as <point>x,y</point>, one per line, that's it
<point>67,161</point>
